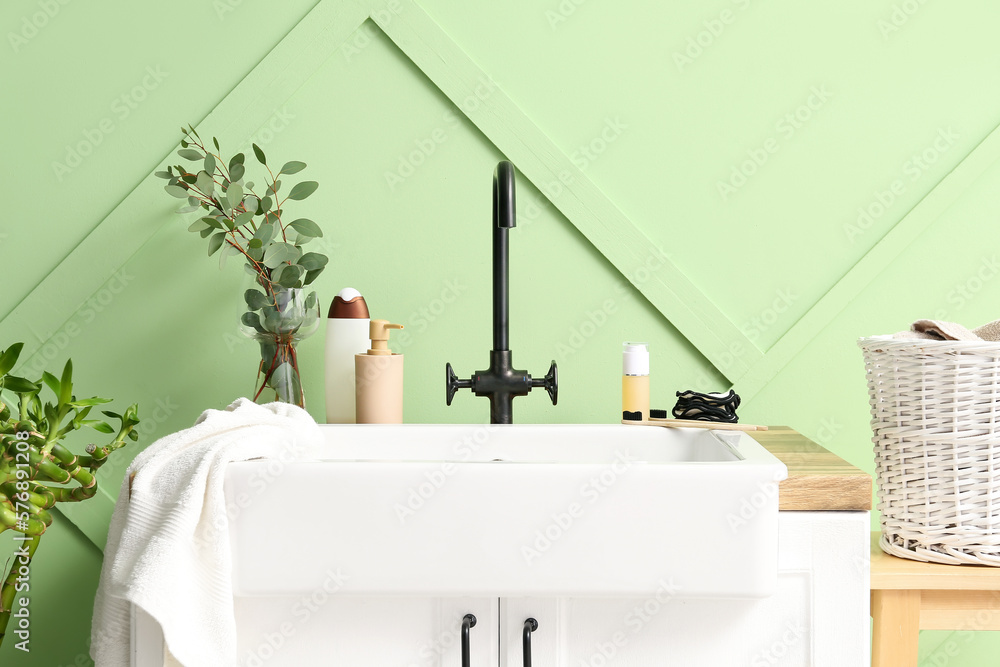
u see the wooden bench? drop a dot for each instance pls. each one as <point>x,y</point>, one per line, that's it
<point>908,596</point>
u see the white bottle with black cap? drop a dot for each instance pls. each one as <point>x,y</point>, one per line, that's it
<point>347,329</point>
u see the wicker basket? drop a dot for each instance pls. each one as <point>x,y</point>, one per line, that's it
<point>936,427</point>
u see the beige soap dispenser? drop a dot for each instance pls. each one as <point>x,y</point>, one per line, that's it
<point>379,378</point>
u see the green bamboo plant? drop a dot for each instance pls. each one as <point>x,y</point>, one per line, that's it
<point>239,220</point>
<point>37,471</point>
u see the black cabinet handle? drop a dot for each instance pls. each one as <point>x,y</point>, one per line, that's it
<point>530,625</point>
<point>469,621</point>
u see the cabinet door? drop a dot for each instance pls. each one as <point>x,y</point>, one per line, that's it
<point>365,632</point>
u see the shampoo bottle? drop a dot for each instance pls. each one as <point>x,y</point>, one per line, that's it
<point>379,378</point>
<point>635,379</point>
<point>347,329</point>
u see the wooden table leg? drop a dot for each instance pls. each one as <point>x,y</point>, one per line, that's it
<point>896,616</point>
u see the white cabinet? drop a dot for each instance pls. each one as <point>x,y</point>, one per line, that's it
<point>818,617</point>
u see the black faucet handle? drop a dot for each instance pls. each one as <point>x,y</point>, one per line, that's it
<point>453,384</point>
<point>550,382</point>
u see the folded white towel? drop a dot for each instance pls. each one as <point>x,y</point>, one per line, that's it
<point>168,544</point>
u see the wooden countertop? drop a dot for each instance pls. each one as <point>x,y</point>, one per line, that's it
<point>892,573</point>
<point>818,479</point>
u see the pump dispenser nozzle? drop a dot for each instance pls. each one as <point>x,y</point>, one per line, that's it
<point>379,334</point>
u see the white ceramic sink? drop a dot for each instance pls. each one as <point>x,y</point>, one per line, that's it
<point>522,510</point>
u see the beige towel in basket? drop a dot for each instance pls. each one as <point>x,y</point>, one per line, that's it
<point>941,330</point>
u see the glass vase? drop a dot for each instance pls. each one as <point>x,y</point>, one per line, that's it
<point>278,318</point>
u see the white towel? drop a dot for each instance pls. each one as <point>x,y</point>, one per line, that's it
<point>168,543</point>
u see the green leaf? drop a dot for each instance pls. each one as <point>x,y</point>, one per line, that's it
<point>163,174</point>
<point>293,167</point>
<point>210,164</point>
<point>234,195</point>
<point>290,275</point>
<point>236,171</point>
<point>216,142</point>
<point>9,357</point>
<point>216,242</point>
<point>255,243</point>
<point>252,320</point>
<point>251,202</point>
<point>66,383</point>
<point>244,218</point>
<point>86,402</point>
<point>51,381</point>
<point>265,206</point>
<point>190,154</point>
<point>206,232</point>
<point>19,385</point>
<point>311,276</point>
<point>306,227</point>
<point>277,253</point>
<point>256,299</point>
<point>274,187</point>
<point>265,233</point>
<point>103,427</point>
<point>311,301</point>
<point>312,261</point>
<point>184,144</point>
<point>259,153</point>
<point>199,225</point>
<point>109,413</point>
<point>176,191</point>
<point>205,183</point>
<point>303,190</point>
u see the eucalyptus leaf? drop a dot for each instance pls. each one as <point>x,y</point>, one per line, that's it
<point>312,261</point>
<point>291,276</point>
<point>163,174</point>
<point>265,206</point>
<point>206,232</point>
<point>216,142</point>
<point>259,153</point>
<point>311,301</point>
<point>205,183</point>
<point>236,171</point>
<point>210,164</point>
<point>306,227</point>
<point>176,191</point>
<point>256,299</point>
<point>265,233</point>
<point>252,320</point>
<point>190,154</point>
<point>274,187</point>
<point>311,276</point>
<point>244,218</point>
<point>216,242</point>
<point>187,209</point>
<point>277,253</point>
<point>255,243</point>
<point>235,195</point>
<point>303,190</point>
<point>198,225</point>
<point>293,167</point>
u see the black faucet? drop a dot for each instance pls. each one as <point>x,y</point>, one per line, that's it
<point>501,383</point>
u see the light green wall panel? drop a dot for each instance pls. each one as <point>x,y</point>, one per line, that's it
<point>765,259</point>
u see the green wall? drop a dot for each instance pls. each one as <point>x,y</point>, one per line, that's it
<point>693,175</point>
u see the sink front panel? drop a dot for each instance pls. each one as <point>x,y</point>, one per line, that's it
<point>511,511</point>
